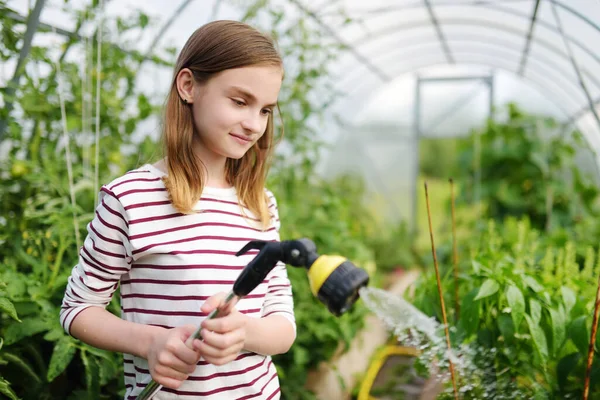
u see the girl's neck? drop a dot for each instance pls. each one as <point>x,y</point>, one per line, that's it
<point>214,173</point>
<point>214,165</point>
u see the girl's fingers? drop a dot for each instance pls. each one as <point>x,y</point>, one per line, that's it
<point>170,373</point>
<point>224,340</point>
<point>225,324</point>
<point>210,353</point>
<point>171,361</point>
<point>212,302</point>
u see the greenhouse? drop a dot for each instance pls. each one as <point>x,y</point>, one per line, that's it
<point>432,184</point>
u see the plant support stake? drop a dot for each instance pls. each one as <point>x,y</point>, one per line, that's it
<point>454,252</point>
<point>590,357</point>
<point>439,285</point>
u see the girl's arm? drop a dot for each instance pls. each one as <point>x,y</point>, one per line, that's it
<point>104,257</point>
<point>270,335</point>
<point>102,329</point>
<point>170,360</point>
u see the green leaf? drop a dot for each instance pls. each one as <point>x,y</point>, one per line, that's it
<point>569,298</point>
<point>108,369</point>
<point>469,314</point>
<point>565,366</point>
<point>144,20</point>
<point>506,326</point>
<point>532,283</point>
<point>92,375</point>
<point>488,288</point>
<point>23,365</point>
<point>539,338</point>
<point>6,390</point>
<point>63,353</point>
<point>516,301</point>
<point>559,329</point>
<point>8,307</point>
<point>27,328</point>
<point>535,310</point>
<point>578,333</point>
<point>476,266</point>
<point>54,334</point>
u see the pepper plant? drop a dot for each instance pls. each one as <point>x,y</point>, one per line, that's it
<point>525,313</point>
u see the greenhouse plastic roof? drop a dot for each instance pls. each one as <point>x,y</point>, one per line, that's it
<point>544,47</point>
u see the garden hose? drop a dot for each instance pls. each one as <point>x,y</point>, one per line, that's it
<point>376,365</point>
<point>334,280</point>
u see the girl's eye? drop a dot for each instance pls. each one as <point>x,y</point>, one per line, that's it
<point>267,111</point>
<point>238,102</point>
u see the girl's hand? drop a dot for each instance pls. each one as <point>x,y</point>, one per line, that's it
<point>169,359</point>
<point>224,336</point>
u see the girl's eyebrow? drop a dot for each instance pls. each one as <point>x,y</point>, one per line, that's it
<point>249,95</point>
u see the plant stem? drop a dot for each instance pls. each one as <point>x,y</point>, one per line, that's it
<point>32,23</point>
<point>439,285</point>
<point>590,358</point>
<point>454,252</point>
<point>549,202</point>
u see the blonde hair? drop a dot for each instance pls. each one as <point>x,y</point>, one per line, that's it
<point>215,47</point>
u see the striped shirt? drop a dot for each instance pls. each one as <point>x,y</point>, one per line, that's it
<point>167,265</point>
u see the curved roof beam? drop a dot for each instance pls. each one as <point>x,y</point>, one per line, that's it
<point>474,3</point>
<point>483,39</point>
<point>545,67</point>
<point>373,68</point>
<point>525,53</point>
<point>576,13</point>
<point>546,45</point>
<point>469,22</point>
<point>440,34</point>
<point>582,111</point>
<point>491,62</point>
<point>459,21</point>
<point>575,66</point>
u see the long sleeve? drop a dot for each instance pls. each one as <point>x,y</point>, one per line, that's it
<point>278,299</point>
<point>103,258</point>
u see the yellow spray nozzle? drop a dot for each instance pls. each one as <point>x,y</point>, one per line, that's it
<point>321,269</point>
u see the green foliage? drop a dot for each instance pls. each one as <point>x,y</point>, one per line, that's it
<point>528,330</point>
<point>527,167</point>
<point>439,157</point>
<point>41,228</point>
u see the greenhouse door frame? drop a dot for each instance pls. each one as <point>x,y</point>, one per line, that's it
<point>419,132</point>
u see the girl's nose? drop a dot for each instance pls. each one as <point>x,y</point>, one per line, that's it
<point>254,123</point>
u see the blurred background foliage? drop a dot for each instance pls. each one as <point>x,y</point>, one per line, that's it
<point>52,166</point>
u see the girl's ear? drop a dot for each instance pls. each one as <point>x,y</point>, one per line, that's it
<point>185,85</point>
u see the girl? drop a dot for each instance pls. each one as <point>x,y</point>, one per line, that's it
<point>168,234</point>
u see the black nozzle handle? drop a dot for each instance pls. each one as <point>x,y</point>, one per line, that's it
<point>260,266</point>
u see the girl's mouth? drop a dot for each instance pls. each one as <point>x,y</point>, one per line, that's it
<point>241,138</point>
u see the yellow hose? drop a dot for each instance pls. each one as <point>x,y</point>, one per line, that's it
<point>377,363</point>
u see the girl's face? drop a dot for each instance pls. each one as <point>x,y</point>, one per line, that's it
<point>231,110</point>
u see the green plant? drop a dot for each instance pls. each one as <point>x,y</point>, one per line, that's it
<point>46,203</point>
<point>8,311</point>
<point>527,167</point>
<point>525,313</point>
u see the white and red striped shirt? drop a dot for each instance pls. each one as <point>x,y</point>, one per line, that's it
<point>167,265</point>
